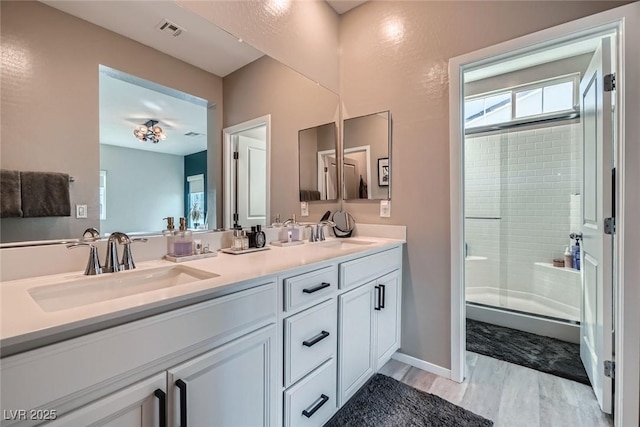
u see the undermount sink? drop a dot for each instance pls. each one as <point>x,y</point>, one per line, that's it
<point>344,243</point>
<point>108,286</point>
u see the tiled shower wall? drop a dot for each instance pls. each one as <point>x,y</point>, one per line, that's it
<point>521,201</point>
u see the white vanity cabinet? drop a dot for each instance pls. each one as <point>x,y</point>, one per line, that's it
<point>369,319</point>
<point>230,386</point>
<point>140,405</point>
<point>222,349</point>
<point>286,349</point>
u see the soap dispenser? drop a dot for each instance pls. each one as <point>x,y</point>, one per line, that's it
<point>169,233</point>
<point>183,243</point>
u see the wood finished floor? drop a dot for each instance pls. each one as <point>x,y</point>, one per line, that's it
<point>510,395</point>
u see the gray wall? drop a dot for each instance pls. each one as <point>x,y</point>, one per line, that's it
<point>142,188</point>
<point>49,102</point>
<point>408,74</point>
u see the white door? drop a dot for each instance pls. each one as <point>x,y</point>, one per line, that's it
<point>350,179</point>
<point>596,327</point>
<point>387,317</point>
<point>234,385</point>
<point>355,352</point>
<point>140,405</point>
<point>251,185</point>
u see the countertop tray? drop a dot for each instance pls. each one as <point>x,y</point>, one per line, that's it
<point>245,251</point>
<point>284,244</point>
<point>190,257</point>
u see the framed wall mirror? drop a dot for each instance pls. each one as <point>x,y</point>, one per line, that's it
<point>317,163</point>
<point>366,163</point>
<point>52,120</point>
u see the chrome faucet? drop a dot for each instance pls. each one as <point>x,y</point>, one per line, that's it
<point>317,230</point>
<point>93,234</point>
<point>111,264</point>
<point>291,220</point>
<point>320,229</point>
<point>93,266</point>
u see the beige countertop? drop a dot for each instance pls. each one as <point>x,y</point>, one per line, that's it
<point>25,325</point>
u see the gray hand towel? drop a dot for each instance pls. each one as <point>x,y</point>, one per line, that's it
<point>45,194</point>
<point>10,201</point>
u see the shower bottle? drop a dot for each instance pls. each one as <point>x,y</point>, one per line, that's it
<point>575,251</point>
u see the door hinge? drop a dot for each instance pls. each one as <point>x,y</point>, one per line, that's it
<point>610,369</point>
<point>610,82</point>
<point>236,155</point>
<point>609,226</point>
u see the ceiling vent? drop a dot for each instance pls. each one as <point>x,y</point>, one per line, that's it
<point>193,134</point>
<point>169,27</point>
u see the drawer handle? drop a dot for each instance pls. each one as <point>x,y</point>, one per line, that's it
<point>316,405</point>
<point>384,294</point>
<point>317,288</point>
<point>162,410</point>
<point>379,299</point>
<point>183,402</point>
<point>315,340</point>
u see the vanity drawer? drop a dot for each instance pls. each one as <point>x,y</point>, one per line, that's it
<point>361,270</point>
<point>312,401</point>
<point>309,340</point>
<point>309,287</point>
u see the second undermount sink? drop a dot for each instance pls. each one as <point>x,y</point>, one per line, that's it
<point>344,243</point>
<point>108,286</point>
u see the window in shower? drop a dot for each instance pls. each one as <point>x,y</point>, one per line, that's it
<point>522,185</point>
<point>523,101</point>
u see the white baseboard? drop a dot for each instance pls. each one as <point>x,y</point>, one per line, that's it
<point>421,364</point>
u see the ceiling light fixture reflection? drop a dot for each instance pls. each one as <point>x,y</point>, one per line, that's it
<point>150,131</point>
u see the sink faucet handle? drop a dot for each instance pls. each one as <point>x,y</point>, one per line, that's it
<point>127,256</point>
<point>93,265</point>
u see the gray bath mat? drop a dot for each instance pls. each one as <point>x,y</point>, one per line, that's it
<point>385,402</point>
<point>543,354</point>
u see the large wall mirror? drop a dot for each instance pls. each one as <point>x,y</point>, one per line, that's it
<point>366,164</point>
<point>317,163</point>
<point>52,119</point>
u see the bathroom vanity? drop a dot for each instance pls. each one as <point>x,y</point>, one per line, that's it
<point>276,338</point>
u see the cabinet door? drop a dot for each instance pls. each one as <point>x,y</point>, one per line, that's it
<point>233,385</point>
<point>355,352</point>
<point>140,405</point>
<point>388,301</point>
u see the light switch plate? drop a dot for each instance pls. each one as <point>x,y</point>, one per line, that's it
<point>304,209</point>
<point>385,208</point>
<point>81,211</point>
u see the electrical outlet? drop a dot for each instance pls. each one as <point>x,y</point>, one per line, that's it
<point>81,211</point>
<point>304,209</point>
<point>385,208</point>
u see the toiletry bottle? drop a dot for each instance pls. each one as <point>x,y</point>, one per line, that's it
<point>568,258</point>
<point>575,251</point>
<point>245,240</point>
<point>261,238</point>
<point>169,234</point>
<point>183,243</point>
<point>236,242</point>
<point>252,237</point>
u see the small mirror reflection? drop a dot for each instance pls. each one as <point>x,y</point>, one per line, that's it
<point>366,165</point>
<point>318,163</point>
